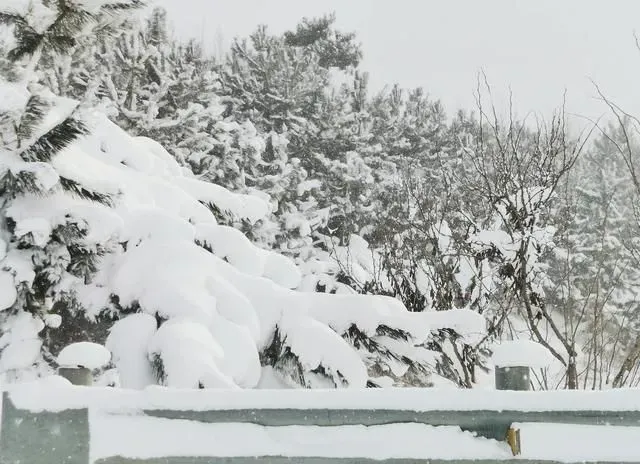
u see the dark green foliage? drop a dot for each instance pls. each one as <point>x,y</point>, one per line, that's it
<point>117,7</point>
<point>335,48</point>
<point>157,367</point>
<point>157,28</point>
<point>76,326</point>
<point>35,111</point>
<point>84,260</point>
<point>62,34</point>
<point>55,140</point>
<point>13,185</point>
<point>222,217</point>
<point>28,40</point>
<point>279,355</point>
<point>73,187</point>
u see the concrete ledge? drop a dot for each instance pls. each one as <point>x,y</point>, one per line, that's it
<point>319,460</point>
<point>489,424</point>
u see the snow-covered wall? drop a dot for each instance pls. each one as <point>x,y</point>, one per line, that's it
<point>97,423</point>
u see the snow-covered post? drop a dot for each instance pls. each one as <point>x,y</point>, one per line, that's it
<point>77,361</point>
<point>77,375</point>
<point>513,361</point>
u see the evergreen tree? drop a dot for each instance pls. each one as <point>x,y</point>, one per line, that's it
<point>42,254</point>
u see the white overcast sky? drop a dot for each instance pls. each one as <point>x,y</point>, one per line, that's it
<point>538,48</point>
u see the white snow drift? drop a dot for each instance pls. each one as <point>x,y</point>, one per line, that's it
<point>222,297</point>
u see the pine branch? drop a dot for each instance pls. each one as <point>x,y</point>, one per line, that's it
<point>69,232</point>
<point>54,141</point>
<point>8,18</point>
<point>13,185</point>
<point>396,334</point>
<point>33,115</point>
<point>118,7</point>
<point>28,41</point>
<point>61,43</point>
<point>73,187</point>
<point>84,261</point>
<point>70,21</point>
<point>157,367</point>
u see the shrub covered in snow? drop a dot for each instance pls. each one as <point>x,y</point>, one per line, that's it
<point>103,227</point>
<point>217,306</point>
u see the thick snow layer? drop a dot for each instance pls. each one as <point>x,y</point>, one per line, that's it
<point>234,247</point>
<point>247,206</point>
<point>39,396</point>
<point>20,343</point>
<point>8,293</point>
<point>128,341</point>
<point>579,443</point>
<point>52,320</point>
<point>521,353</point>
<point>146,437</point>
<point>469,324</point>
<point>339,312</point>
<point>167,257</point>
<point>281,270</point>
<point>84,354</point>
<point>146,223</point>
<point>189,355</point>
<point>190,282</point>
<point>270,379</point>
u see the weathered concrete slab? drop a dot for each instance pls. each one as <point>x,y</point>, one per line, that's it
<point>44,437</point>
<point>316,460</point>
<point>489,424</point>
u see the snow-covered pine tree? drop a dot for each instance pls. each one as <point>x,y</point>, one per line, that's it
<point>41,251</point>
<point>283,84</point>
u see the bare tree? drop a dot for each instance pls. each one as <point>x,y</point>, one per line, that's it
<point>517,169</point>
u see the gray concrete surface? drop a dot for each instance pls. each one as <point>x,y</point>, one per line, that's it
<point>63,437</point>
<point>318,460</point>
<point>489,424</point>
<point>43,438</point>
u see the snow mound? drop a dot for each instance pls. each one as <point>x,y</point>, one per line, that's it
<point>8,293</point>
<point>84,354</point>
<point>188,354</point>
<point>468,324</point>
<point>128,341</point>
<point>246,206</point>
<point>20,343</point>
<point>521,353</point>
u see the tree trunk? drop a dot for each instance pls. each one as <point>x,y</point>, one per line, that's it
<point>632,358</point>
<point>572,373</point>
